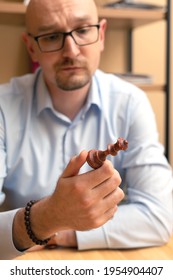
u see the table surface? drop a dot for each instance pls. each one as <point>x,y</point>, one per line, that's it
<point>153,253</point>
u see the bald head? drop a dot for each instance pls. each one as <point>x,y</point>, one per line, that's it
<point>46,12</point>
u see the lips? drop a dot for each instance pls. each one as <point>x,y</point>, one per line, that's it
<point>69,67</point>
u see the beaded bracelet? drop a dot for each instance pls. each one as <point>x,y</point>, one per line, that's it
<point>28,225</point>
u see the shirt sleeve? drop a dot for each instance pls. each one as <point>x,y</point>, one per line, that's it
<point>146,216</point>
<point>8,250</point>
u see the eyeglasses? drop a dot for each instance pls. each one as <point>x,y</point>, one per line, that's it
<point>53,42</point>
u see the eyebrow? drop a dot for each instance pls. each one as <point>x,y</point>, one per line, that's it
<point>47,28</point>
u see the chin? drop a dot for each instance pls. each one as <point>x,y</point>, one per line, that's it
<point>73,84</point>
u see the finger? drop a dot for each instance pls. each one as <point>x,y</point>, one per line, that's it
<point>110,201</point>
<point>106,208</point>
<point>105,217</point>
<point>75,164</point>
<point>110,213</point>
<point>113,199</point>
<point>96,177</point>
<point>108,186</point>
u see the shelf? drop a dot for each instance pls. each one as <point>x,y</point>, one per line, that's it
<point>151,87</point>
<point>13,13</point>
<point>130,18</point>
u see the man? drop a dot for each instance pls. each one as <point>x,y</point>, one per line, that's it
<point>48,122</point>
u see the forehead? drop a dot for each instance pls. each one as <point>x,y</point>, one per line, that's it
<point>62,14</point>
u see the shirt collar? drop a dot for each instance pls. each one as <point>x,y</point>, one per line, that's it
<point>94,96</point>
<point>42,95</point>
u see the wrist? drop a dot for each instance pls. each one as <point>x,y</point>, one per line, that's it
<point>40,224</point>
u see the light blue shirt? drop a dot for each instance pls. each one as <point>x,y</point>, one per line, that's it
<point>36,143</point>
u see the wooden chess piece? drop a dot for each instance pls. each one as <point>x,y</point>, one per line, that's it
<point>96,158</point>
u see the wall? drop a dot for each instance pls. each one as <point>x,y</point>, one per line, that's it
<point>13,56</point>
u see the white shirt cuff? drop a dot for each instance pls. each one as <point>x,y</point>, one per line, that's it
<point>91,239</point>
<point>8,250</point>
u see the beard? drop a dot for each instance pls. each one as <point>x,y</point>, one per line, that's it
<point>72,74</point>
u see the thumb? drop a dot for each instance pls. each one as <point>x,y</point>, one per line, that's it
<point>75,164</point>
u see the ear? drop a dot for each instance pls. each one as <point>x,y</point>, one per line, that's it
<point>103,25</point>
<point>30,46</point>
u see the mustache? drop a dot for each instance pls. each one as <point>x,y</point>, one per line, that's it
<point>71,62</point>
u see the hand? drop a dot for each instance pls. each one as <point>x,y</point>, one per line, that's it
<point>85,201</point>
<point>65,238</point>
<point>79,202</point>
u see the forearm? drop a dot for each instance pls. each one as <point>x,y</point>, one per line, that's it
<point>131,227</point>
<point>79,202</point>
<point>136,226</point>
<point>40,225</point>
<point>14,239</point>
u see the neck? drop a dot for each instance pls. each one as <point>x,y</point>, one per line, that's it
<point>69,103</point>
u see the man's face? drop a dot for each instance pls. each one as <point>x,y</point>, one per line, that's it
<point>71,67</point>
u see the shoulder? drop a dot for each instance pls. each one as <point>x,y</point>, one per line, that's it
<point>16,86</point>
<point>115,89</point>
<point>15,92</point>
<point>16,100</point>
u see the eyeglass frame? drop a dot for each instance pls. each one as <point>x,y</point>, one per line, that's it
<point>65,34</point>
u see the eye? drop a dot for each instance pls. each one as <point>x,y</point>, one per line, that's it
<point>83,31</point>
<point>52,37</point>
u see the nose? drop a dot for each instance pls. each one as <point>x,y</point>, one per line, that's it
<point>70,48</point>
